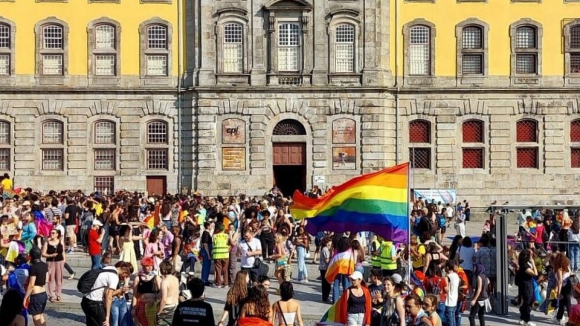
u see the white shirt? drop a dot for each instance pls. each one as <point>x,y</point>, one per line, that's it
<point>61,228</point>
<point>452,296</point>
<point>246,261</point>
<point>449,212</point>
<point>105,280</point>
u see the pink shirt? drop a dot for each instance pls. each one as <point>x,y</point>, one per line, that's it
<point>574,318</point>
<point>150,249</point>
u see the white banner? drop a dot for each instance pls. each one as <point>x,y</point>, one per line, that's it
<point>437,195</point>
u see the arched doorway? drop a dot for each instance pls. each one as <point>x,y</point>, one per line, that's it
<point>289,156</point>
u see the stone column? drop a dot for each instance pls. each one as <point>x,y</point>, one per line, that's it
<point>320,38</point>
<point>207,46</point>
<point>373,73</point>
<point>555,151</point>
<point>206,144</point>
<point>258,44</point>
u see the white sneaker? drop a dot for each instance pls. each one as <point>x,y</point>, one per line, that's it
<point>530,324</point>
<point>521,322</point>
<point>563,321</point>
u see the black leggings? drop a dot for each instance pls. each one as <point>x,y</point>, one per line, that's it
<point>526,294</point>
<point>325,285</point>
<point>565,301</point>
<point>478,310</point>
<point>267,242</point>
<point>68,269</point>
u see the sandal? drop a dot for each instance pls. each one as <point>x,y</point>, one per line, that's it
<point>52,300</point>
<point>58,299</point>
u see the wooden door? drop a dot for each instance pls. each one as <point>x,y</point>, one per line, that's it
<point>289,154</point>
<point>157,185</point>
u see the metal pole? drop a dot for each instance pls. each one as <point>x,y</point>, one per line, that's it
<point>179,106</point>
<point>409,231</point>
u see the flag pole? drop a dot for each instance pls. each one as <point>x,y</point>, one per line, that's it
<point>409,231</point>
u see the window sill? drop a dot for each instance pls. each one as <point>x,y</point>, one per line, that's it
<point>7,80</point>
<point>418,80</point>
<point>288,79</point>
<point>526,80</point>
<point>51,173</point>
<point>473,171</point>
<point>233,79</point>
<point>471,79</point>
<point>345,79</point>
<point>50,80</point>
<point>112,81</point>
<point>572,80</point>
<point>159,81</point>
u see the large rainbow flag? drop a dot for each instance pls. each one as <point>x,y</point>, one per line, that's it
<point>376,202</point>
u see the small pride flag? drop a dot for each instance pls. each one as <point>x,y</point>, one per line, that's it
<point>377,202</point>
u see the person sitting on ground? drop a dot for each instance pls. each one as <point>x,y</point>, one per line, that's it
<point>194,311</point>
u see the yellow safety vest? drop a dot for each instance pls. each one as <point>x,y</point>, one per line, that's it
<point>376,260</point>
<point>221,249</point>
<point>387,262</point>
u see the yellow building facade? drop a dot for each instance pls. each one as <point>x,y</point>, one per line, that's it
<point>486,96</point>
<point>88,93</point>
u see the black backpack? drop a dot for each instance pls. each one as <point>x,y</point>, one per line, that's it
<point>87,280</point>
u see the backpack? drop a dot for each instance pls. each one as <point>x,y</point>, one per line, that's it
<point>88,279</point>
<point>434,287</point>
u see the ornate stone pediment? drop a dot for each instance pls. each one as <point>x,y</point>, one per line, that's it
<point>286,5</point>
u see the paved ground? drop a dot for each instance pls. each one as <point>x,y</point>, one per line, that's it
<point>68,313</point>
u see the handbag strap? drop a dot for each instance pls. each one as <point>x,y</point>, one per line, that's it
<point>282,313</point>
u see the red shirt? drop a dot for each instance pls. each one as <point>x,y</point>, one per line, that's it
<point>94,246</point>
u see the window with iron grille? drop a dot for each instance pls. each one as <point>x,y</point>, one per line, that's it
<point>157,132</point>
<point>527,157</point>
<point>52,37</point>
<point>52,159</point>
<point>344,48</point>
<point>472,158</point>
<point>419,131</point>
<point>575,157</point>
<point>105,159</point>
<point>233,55</point>
<point>575,131</point>
<point>420,50</point>
<point>52,132</point>
<point>289,47</point>
<point>472,131</point>
<point>527,131</point>
<point>4,133</point>
<point>105,185</point>
<point>526,48</point>
<point>105,132</point>
<point>574,49</point>
<point>420,158</point>
<point>157,159</point>
<point>5,159</point>
<point>157,37</point>
<point>472,52</point>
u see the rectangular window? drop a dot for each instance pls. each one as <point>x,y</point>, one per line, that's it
<point>344,48</point>
<point>105,65</point>
<point>575,63</point>
<point>288,47</point>
<point>105,185</point>
<point>104,159</point>
<point>4,133</point>
<point>420,158</point>
<point>52,132</point>
<point>105,37</point>
<point>472,64</point>
<point>105,132</point>
<point>420,50</point>
<point>526,64</point>
<point>4,37</point>
<point>52,159</point>
<point>575,157</point>
<point>157,65</point>
<point>52,37</point>
<point>5,159</point>
<point>233,48</point>
<point>157,159</point>
<point>5,64</point>
<point>52,64</point>
<point>473,158</point>
<point>527,157</point>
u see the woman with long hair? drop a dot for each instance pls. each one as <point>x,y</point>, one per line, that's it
<point>433,259</point>
<point>280,257</point>
<point>128,247</point>
<point>574,239</point>
<point>301,243</point>
<point>465,257</point>
<point>234,299</point>
<point>359,255</point>
<point>524,280</point>
<point>53,251</point>
<point>325,254</point>
<point>11,308</point>
<point>455,244</point>
<point>36,291</point>
<point>430,306</point>
<point>146,288</point>
<point>28,231</point>
<point>286,311</point>
<point>561,268</point>
<point>155,249</point>
<point>354,305</point>
<point>256,309</point>
<point>480,295</point>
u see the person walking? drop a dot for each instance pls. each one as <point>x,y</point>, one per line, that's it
<point>206,252</point>
<point>36,291</point>
<point>234,238</point>
<point>451,292</point>
<point>286,311</point>
<point>325,254</point>
<point>354,305</point>
<point>302,244</point>
<point>480,295</point>
<point>94,239</point>
<point>249,249</point>
<point>235,299</point>
<point>220,256</point>
<point>524,276</point>
<point>145,294</point>
<point>53,251</point>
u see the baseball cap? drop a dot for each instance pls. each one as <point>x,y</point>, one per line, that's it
<point>97,222</point>
<point>356,276</point>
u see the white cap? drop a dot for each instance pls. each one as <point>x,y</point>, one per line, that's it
<point>97,222</point>
<point>26,203</point>
<point>356,276</point>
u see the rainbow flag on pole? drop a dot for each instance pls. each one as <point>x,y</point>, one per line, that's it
<point>376,202</point>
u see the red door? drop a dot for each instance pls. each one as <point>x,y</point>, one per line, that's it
<point>157,185</point>
<point>289,154</point>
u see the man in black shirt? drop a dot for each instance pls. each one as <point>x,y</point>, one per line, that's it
<point>195,311</point>
<point>71,214</point>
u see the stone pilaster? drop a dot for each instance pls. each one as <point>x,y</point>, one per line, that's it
<point>206,30</point>
<point>25,153</point>
<point>374,131</point>
<point>500,144</point>
<point>130,148</point>
<point>77,148</point>
<point>554,150</point>
<point>258,35</point>
<point>258,154</point>
<point>318,30</point>
<point>445,163</point>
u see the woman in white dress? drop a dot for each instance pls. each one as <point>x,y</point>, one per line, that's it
<point>127,245</point>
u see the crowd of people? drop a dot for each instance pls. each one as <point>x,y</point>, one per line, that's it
<point>168,249</point>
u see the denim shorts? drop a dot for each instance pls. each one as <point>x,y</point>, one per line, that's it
<point>355,319</point>
<point>37,303</point>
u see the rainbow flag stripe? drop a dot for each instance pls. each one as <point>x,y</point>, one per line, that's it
<point>376,202</point>
<point>341,263</point>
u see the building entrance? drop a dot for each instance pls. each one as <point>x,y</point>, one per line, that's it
<point>289,167</point>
